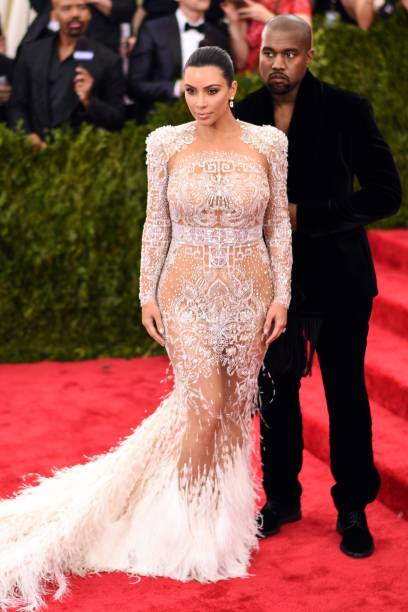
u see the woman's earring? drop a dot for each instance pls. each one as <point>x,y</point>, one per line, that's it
<point>231,102</point>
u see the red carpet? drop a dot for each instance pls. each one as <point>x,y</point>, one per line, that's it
<point>387,374</point>
<point>52,414</point>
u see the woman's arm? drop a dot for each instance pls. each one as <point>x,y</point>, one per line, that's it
<point>237,29</point>
<point>156,235</point>
<point>157,228</point>
<point>360,10</point>
<point>277,228</point>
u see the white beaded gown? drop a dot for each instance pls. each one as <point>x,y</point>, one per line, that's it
<point>177,497</point>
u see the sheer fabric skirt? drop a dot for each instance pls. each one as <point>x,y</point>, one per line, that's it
<point>177,497</point>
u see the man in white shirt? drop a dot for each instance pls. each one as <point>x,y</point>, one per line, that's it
<point>163,47</point>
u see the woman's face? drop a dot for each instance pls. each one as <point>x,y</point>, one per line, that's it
<point>207,93</point>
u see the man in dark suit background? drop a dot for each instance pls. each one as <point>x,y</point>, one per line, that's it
<point>163,47</point>
<point>159,8</point>
<point>333,138</point>
<point>6,75</point>
<point>107,15</point>
<point>51,87</point>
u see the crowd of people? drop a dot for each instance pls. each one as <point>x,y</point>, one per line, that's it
<point>103,61</point>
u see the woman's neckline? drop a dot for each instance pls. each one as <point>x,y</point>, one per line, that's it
<point>192,130</point>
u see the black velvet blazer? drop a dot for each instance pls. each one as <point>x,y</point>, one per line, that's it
<point>333,139</point>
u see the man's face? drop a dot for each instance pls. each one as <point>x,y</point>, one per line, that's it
<point>283,60</point>
<point>73,16</point>
<point>195,5</point>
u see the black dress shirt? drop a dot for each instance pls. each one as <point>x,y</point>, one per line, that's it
<point>61,76</point>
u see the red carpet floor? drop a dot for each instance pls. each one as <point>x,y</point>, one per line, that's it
<point>52,414</point>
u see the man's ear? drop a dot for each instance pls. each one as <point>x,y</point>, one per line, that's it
<point>310,56</point>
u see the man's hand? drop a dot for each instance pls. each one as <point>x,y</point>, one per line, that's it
<point>83,83</point>
<point>5,93</point>
<point>275,322</point>
<point>152,322</point>
<point>293,216</point>
<point>36,141</point>
<point>255,11</point>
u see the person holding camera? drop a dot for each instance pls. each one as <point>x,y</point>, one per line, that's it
<point>56,82</point>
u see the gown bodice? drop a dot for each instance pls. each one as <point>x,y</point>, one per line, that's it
<point>216,198</point>
<point>218,189</point>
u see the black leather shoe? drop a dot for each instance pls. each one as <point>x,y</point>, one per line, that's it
<point>273,515</point>
<point>357,540</point>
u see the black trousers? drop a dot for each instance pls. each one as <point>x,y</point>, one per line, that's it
<point>341,348</point>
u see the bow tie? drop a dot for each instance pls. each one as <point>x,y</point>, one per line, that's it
<point>199,28</point>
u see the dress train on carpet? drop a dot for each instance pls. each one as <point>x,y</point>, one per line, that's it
<point>127,510</point>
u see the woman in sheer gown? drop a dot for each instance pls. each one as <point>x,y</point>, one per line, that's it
<point>177,497</point>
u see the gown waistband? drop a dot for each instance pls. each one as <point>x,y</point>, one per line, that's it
<point>217,236</point>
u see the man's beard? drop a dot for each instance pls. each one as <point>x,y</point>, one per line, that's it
<point>280,87</point>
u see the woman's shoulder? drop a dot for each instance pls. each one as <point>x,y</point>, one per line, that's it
<point>266,137</point>
<point>169,137</point>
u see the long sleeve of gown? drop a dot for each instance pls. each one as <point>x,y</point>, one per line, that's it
<point>157,228</point>
<point>277,229</point>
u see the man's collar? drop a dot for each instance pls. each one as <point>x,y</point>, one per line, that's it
<point>182,20</point>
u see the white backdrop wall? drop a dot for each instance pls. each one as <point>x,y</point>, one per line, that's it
<point>15,15</point>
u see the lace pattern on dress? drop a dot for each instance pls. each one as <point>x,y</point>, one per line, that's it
<point>213,189</point>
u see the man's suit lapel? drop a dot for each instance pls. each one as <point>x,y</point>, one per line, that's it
<point>171,33</point>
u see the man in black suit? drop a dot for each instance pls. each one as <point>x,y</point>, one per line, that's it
<point>333,138</point>
<point>107,15</point>
<point>159,8</point>
<point>6,75</point>
<point>52,87</point>
<point>163,47</point>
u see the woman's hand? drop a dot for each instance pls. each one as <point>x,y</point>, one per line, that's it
<point>152,322</point>
<point>255,11</point>
<point>230,11</point>
<point>275,322</point>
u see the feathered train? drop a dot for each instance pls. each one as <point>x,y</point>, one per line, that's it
<point>177,497</point>
<point>127,511</point>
